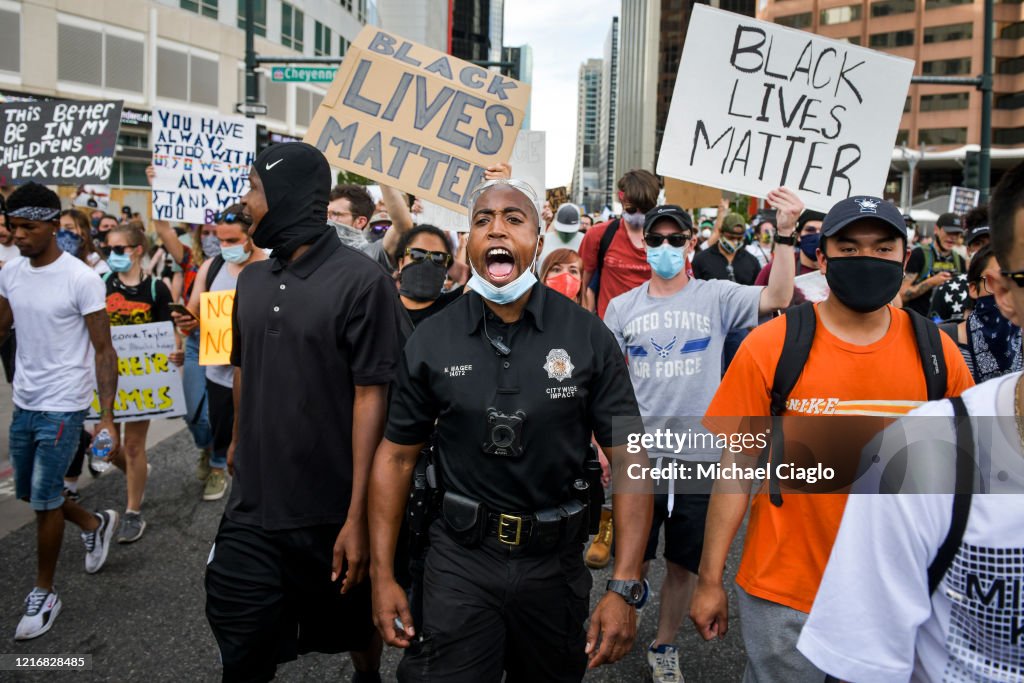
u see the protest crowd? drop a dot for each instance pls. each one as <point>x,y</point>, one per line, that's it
<point>422,436</point>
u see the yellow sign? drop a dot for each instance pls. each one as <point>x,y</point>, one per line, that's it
<point>408,116</point>
<point>215,327</point>
<point>691,195</point>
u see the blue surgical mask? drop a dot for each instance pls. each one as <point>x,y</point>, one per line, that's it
<point>505,294</point>
<point>69,242</point>
<point>666,261</point>
<point>809,245</point>
<point>119,263</point>
<point>236,253</point>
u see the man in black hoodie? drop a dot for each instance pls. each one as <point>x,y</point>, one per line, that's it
<point>316,338</point>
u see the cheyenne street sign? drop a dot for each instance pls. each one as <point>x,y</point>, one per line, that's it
<point>303,74</point>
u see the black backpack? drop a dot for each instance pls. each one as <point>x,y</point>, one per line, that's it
<point>602,251</point>
<point>800,323</point>
<point>211,274</point>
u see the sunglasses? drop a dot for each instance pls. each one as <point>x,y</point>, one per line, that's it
<point>1017,276</point>
<point>676,239</point>
<point>230,218</point>
<point>119,249</point>
<point>437,257</point>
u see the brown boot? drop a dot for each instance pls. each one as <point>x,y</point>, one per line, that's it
<point>600,551</point>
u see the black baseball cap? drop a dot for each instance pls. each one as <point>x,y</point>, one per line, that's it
<point>950,222</point>
<point>975,233</point>
<point>807,216</point>
<point>676,213</point>
<point>853,209</point>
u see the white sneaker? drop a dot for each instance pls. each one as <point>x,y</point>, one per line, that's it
<point>41,609</point>
<point>664,663</point>
<point>97,542</point>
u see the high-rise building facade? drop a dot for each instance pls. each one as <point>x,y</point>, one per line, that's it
<point>609,115</point>
<point>585,183</point>
<point>423,21</point>
<point>637,86</point>
<point>521,60</point>
<point>478,29</point>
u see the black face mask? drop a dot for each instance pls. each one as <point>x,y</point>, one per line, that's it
<point>422,281</point>
<point>864,283</point>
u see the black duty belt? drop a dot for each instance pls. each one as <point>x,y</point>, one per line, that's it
<point>470,522</point>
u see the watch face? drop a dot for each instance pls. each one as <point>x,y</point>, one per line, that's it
<point>637,592</point>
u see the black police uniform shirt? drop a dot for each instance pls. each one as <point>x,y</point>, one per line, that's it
<point>951,263</point>
<point>565,372</point>
<point>711,264</point>
<point>305,335</point>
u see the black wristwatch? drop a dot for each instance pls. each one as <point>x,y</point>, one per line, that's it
<point>790,239</point>
<point>631,591</point>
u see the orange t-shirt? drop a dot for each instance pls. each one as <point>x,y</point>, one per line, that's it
<point>787,547</point>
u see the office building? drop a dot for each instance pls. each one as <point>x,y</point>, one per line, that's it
<point>609,115</point>
<point>477,29</point>
<point>424,21</point>
<point>585,185</point>
<point>637,85</point>
<point>521,60</point>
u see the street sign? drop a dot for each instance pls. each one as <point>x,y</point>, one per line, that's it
<point>303,74</point>
<point>251,109</point>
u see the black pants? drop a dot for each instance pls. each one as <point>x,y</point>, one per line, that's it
<point>222,417</point>
<point>75,468</point>
<point>270,598</point>
<point>492,609</point>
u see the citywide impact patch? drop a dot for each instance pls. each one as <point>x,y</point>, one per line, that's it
<point>558,365</point>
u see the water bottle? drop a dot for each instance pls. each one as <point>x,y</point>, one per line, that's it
<point>101,447</point>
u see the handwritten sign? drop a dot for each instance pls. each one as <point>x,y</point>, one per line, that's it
<point>758,105</point>
<point>148,384</point>
<point>58,142</point>
<point>215,327</point>
<point>408,116</point>
<point>202,163</point>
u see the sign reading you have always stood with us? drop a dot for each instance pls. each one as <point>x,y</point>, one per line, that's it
<point>202,163</point>
<point>422,121</point>
<point>58,142</point>
<point>758,105</point>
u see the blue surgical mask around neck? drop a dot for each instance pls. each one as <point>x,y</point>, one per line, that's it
<point>505,294</point>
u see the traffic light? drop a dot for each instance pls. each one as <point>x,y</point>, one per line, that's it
<point>972,170</point>
<point>262,138</point>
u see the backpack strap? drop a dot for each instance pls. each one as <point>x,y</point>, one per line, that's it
<point>106,276</point>
<point>929,263</point>
<point>602,251</point>
<point>215,265</point>
<point>961,495</point>
<point>933,360</point>
<point>800,324</point>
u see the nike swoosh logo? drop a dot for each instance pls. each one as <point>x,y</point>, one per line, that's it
<point>270,166</point>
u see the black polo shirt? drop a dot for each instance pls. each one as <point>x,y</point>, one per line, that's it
<point>305,335</point>
<point>565,372</point>
<point>711,264</point>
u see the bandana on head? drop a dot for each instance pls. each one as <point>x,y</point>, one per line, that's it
<point>34,213</point>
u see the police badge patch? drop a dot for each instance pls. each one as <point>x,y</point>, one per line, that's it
<point>558,365</point>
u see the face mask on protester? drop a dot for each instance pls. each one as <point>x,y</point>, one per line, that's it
<point>864,283</point>
<point>705,233</point>
<point>119,263</point>
<point>564,283</point>
<point>729,245</point>
<point>349,236</point>
<point>809,245</point>
<point>236,253</point>
<point>211,245</point>
<point>69,242</point>
<point>505,294</point>
<point>991,340</point>
<point>666,261</point>
<point>422,281</point>
<point>634,220</point>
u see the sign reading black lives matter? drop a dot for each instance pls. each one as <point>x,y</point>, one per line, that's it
<point>757,106</point>
<point>202,163</point>
<point>420,120</point>
<point>58,142</point>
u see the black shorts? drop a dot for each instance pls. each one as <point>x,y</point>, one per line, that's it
<point>221,402</point>
<point>270,598</point>
<point>684,530</point>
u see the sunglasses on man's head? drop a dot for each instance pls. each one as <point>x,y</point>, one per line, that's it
<point>438,257</point>
<point>1017,276</point>
<point>676,239</point>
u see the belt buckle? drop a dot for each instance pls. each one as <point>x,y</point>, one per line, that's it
<point>505,524</point>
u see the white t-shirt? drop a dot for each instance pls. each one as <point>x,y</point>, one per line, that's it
<point>55,368</point>
<point>8,253</point>
<point>873,619</point>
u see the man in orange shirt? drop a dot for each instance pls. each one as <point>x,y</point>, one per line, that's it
<point>864,360</point>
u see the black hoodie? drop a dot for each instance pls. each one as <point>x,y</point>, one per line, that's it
<point>297,182</point>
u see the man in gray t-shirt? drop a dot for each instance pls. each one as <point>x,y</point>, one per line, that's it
<point>672,330</point>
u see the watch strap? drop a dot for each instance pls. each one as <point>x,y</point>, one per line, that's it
<point>790,239</point>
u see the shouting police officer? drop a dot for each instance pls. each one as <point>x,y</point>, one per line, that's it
<point>517,378</point>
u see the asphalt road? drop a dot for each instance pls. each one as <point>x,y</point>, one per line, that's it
<point>141,617</point>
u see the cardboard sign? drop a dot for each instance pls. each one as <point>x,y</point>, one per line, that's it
<point>690,195</point>
<point>148,384</point>
<point>202,163</point>
<point>963,199</point>
<point>215,327</point>
<point>58,142</point>
<point>556,196</point>
<point>408,116</point>
<point>757,106</point>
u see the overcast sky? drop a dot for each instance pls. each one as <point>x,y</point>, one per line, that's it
<point>563,35</point>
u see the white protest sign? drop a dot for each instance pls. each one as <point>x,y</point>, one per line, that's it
<point>963,199</point>
<point>148,384</point>
<point>758,105</point>
<point>202,163</point>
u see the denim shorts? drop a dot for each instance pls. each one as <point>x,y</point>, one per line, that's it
<point>42,446</point>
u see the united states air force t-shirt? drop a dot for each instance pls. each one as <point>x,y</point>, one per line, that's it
<point>673,346</point>
<point>873,619</point>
